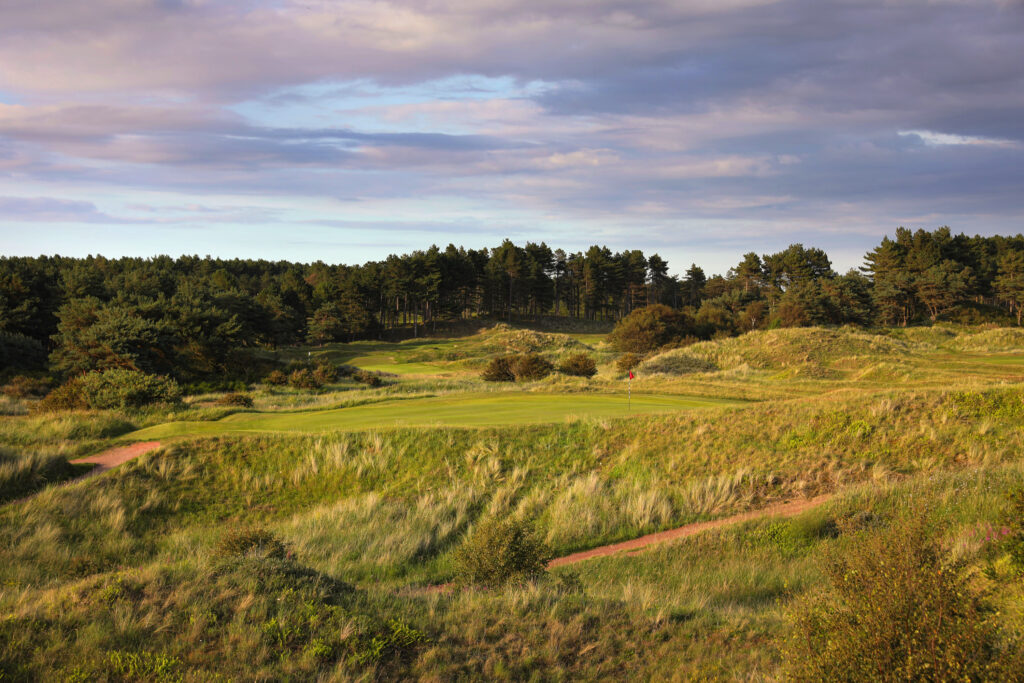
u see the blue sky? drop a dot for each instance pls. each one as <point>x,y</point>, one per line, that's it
<point>345,131</point>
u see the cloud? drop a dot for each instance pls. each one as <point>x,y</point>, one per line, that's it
<point>935,139</point>
<point>50,210</point>
<point>614,117</point>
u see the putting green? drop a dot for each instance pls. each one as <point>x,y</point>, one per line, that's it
<point>462,410</point>
<point>387,357</point>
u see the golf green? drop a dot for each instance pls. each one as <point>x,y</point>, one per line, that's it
<point>462,410</point>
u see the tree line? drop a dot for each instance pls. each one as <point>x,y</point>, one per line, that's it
<point>191,317</point>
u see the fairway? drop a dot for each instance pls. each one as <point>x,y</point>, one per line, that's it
<point>463,410</point>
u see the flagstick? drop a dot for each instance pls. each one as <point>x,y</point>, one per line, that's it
<point>629,393</point>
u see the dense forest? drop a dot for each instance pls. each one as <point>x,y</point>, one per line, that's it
<point>192,317</point>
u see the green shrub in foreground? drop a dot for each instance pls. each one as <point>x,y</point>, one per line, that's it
<point>578,365</point>
<point>245,541</point>
<point>898,610</point>
<point>109,389</point>
<point>498,552</point>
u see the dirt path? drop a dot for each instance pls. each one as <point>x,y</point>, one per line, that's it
<point>634,546</point>
<point>112,457</point>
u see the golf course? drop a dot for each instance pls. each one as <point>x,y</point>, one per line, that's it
<point>325,521</point>
<point>459,410</point>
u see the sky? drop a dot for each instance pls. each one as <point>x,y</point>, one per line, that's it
<point>344,131</point>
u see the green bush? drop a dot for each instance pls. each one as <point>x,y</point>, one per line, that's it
<point>303,379</point>
<point>649,328</point>
<point>214,386</point>
<point>240,400</point>
<point>523,367</point>
<point>628,361</point>
<point>109,389</point>
<point>531,366</point>
<point>250,541</point>
<point>499,369</point>
<point>898,610</point>
<point>24,387</point>
<point>578,365</point>
<point>325,374</point>
<point>276,378</point>
<point>498,552</point>
<point>370,379</point>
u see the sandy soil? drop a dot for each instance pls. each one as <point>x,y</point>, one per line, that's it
<point>636,545</point>
<point>633,546</point>
<point>112,457</point>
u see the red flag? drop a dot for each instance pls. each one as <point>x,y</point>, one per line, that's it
<point>631,374</point>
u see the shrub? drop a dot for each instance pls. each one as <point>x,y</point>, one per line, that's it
<point>109,389</point>
<point>499,369</point>
<point>250,541</point>
<point>24,387</point>
<point>648,328</point>
<point>530,366</point>
<point>501,551</point>
<point>628,361</point>
<point>276,378</point>
<point>898,610</point>
<point>325,374</point>
<point>214,386</point>
<point>241,400</point>
<point>368,378</point>
<point>578,365</point>
<point>303,379</point>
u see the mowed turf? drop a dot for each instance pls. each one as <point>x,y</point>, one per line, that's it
<point>463,410</point>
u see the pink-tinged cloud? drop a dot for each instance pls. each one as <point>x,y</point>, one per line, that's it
<point>613,117</point>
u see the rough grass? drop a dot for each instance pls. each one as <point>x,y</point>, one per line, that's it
<point>999,339</point>
<point>123,570</point>
<point>21,475</point>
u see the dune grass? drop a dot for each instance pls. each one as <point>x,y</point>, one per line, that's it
<point>120,577</point>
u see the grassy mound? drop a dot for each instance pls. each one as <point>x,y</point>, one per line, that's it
<point>809,353</point>
<point>999,339</point>
<point>504,339</point>
<point>676,362</point>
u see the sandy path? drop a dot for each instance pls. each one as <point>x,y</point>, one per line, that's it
<point>633,546</point>
<point>112,457</point>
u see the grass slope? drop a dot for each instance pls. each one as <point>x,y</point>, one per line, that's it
<point>120,577</point>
